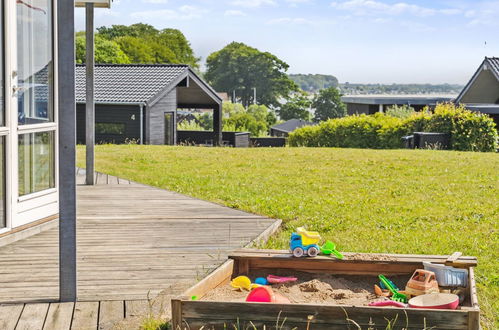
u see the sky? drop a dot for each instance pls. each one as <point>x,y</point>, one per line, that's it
<point>358,41</point>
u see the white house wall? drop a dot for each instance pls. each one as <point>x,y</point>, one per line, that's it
<point>485,89</point>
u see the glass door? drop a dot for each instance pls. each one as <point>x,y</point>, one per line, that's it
<point>169,128</point>
<point>34,127</point>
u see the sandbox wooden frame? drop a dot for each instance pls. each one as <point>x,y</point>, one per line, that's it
<point>189,314</point>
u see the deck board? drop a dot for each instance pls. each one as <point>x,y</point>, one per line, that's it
<point>85,315</point>
<point>59,316</point>
<point>135,243</point>
<point>33,317</point>
<point>9,316</point>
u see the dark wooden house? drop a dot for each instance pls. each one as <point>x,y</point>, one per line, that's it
<point>139,103</point>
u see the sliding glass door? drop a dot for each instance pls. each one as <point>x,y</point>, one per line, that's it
<point>35,101</point>
<point>28,120</point>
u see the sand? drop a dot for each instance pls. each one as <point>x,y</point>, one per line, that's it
<point>315,289</point>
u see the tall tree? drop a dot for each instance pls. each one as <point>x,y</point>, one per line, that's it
<point>328,105</point>
<point>143,43</point>
<point>238,68</point>
<point>296,107</point>
<point>106,51</point>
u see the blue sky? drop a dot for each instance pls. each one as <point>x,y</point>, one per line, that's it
<point>366,41</point>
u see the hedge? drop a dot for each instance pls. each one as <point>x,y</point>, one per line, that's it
<point>469,131</point>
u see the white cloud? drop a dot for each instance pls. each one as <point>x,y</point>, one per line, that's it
<point>254,3</point>
<point>155,1</point>
<point>484,14</point>
<point>373,7</point>
<point>289,20</point>
<point>234,13</point>
<point>183,13</point>
<point>296,3</point>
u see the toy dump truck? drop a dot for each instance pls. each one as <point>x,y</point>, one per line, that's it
<point>304,243</point>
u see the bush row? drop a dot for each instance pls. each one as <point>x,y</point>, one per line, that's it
<point>469,131</point>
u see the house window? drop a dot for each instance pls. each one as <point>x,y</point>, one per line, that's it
<point>110,128</point>
<point>35,97</point>
<point>34,60</point>
<point>36,162</point>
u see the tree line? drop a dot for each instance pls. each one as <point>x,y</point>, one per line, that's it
<point>251,77</point>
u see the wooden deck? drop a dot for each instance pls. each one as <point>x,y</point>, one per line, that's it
<point>134,242</point>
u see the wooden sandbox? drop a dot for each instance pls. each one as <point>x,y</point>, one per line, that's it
<point>189,314</point>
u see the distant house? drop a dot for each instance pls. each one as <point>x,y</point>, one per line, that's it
<point>283,130</point>
<point>140,102</point>
<point>370,104</point>
<point>481,94</point>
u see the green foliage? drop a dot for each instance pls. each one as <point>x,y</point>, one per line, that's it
<point>106,51</point>
<point>142,43</point>
<point>230,109</point>
<point>245,122</point>
<point>240,68</point>
<point>255,119</point>
<point>190,125</point>
<point>400,111</point>
<point>328,104</point>
<point>384,201</point>
<point>137,50</point>
<point>296,107</point>
<point>152,323</point>
<point>314,82</point>
<point>206,121</point>
<point>469,131</point>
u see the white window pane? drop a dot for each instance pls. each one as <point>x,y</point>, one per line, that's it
<point>36,162</point>
<point>34,57</point>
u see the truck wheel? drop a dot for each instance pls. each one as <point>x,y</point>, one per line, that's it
<point>298,252</point>
<point>313,252</point>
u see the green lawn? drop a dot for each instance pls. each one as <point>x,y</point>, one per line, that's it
<point>397,201</point>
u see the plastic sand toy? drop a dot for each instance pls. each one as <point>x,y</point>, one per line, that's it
<point>422,282</point>
<point>330,248</point>
<point>261,281</point>
<point>304,243</point>
<point>241,282</point>
<point>396,296</point>
<point>272,279</point>
<point>308,237</point>
<point>266,294</point>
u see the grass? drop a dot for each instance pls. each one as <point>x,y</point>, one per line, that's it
<point>398,201</point>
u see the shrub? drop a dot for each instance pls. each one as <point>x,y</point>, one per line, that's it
<point>375,132</point>
<point>469,131</point>
<point>400,111</point>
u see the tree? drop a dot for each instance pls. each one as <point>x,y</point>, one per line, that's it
<point>245,122</point>
<point>143,43</point>
<point>106,51</point>
<point>229,109</point>
<point>296,107</point>
<point>240,68</point>
<point>328,105</point>
<point>314,82</point>
<point>137,50</point>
